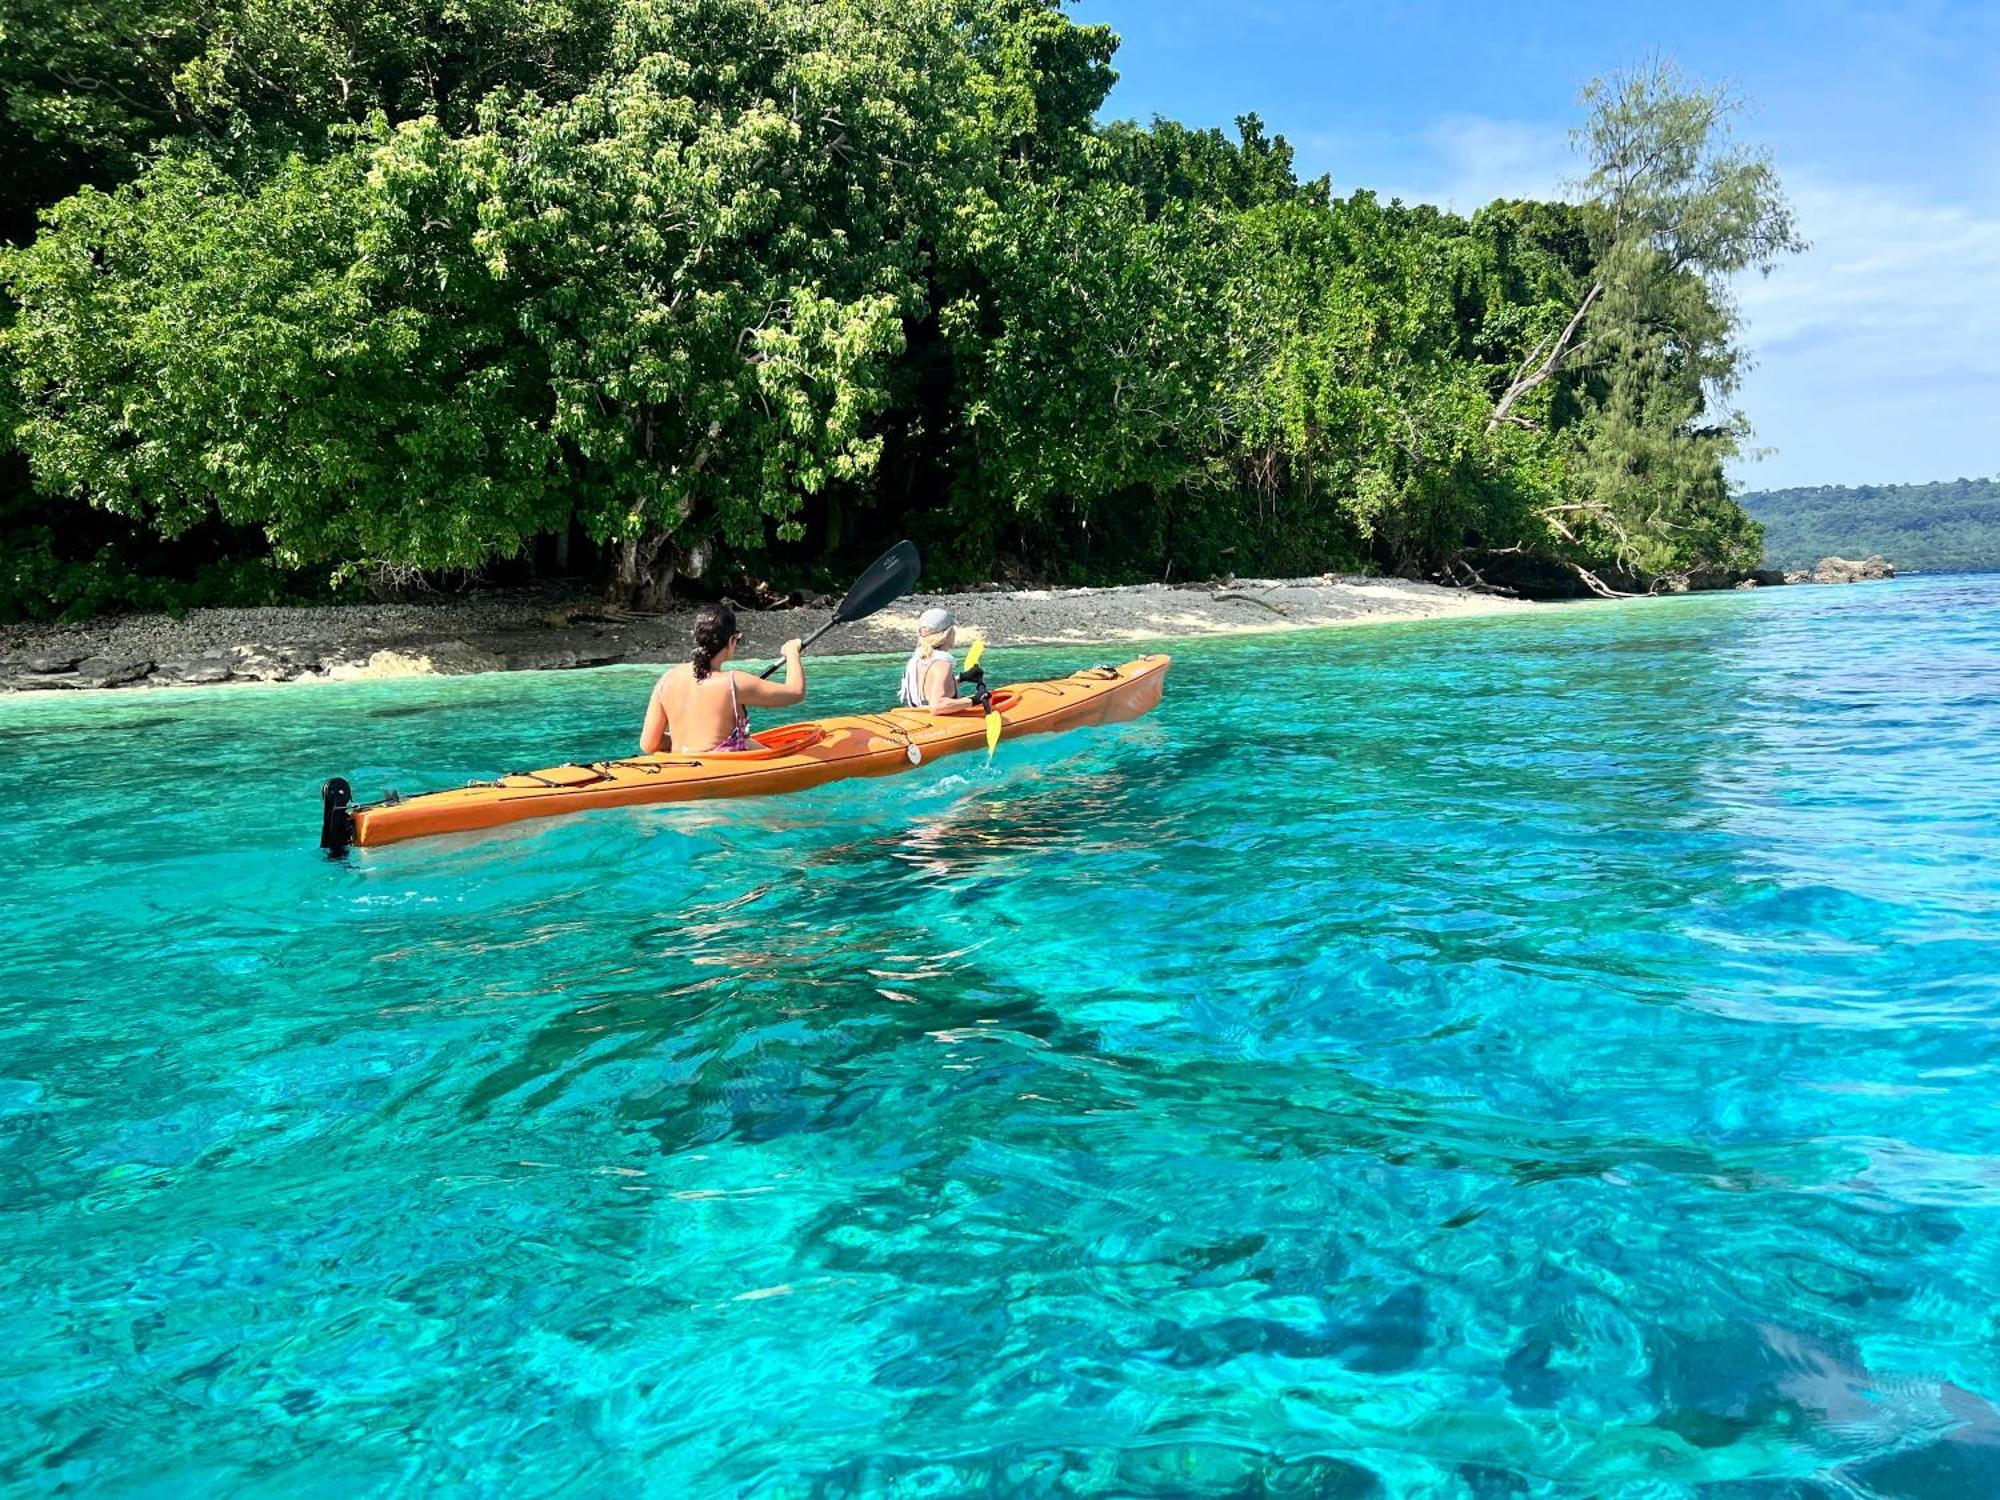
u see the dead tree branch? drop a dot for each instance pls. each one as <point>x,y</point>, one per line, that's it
<point>1533,374</point>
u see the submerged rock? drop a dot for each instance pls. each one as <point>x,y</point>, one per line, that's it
<point>563,658</point>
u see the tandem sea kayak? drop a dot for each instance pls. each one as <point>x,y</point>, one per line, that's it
<point>789,758</point>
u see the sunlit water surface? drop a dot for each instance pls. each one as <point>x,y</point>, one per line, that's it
<point>1549,1056</point>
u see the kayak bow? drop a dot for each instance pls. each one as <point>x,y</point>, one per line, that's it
<point>786,759</point>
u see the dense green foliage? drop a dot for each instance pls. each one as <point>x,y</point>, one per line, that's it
<point>1953,525</point>
<point>716,286</point>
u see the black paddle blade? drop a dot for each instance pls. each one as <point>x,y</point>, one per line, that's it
<point>890,576</point>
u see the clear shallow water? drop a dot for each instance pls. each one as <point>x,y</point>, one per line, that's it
<point>1563,1060</point>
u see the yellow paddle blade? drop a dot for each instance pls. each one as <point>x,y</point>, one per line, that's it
<point>972,656</point>
<point>992,734</point>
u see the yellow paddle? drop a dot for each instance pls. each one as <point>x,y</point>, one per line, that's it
<point>984,697</point>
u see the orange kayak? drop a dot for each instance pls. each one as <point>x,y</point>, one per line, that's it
<point>786,759</point>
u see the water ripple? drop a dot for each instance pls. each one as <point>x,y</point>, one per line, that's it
<point>1548,1056</point>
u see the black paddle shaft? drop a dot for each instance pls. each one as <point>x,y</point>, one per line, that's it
<point>889,577</point>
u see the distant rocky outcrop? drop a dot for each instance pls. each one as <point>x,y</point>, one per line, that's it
<point>1843,570</point>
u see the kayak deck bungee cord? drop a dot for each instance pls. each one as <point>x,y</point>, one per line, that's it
<point>788,758</point>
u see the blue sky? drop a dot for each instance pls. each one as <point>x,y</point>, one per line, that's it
<point>1877,352</point>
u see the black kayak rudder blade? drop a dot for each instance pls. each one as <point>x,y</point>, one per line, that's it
<point>336,822</point>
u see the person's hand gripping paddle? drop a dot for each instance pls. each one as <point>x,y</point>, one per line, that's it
<point>983,696</point>
<point>889,577</point>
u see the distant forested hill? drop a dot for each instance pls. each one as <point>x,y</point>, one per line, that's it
<point>1954,523</point>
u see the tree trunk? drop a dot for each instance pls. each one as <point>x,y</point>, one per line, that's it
<point>645,569</point>
<point>638,581</point>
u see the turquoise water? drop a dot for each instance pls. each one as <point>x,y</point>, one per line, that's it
<point>1552,1056</point>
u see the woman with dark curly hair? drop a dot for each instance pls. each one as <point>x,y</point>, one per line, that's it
<point>701,707</point>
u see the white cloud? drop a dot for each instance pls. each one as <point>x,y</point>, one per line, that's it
<point>1878,350</point>
<point>1478,159</point>
<point>1916,284</point>
<point>1460,162</point>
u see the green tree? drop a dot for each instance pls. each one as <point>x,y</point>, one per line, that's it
<point>1170,163</point>
<point>194,348</point>
<point>1087,365</point>
<point>90,85</point>
<point>89,89</point>
<point>1676,206</point>
<point>668,305</point>
<point>714,250</point>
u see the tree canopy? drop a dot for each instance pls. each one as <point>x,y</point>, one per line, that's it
<point>726,286</point>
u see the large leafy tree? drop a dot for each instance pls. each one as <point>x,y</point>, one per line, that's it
<point>1087,362</point>
<point>90,89</point>
<point>666,305</point>
<point>714,250</point>
<point>91,84</point>
<point>198,346</point>
<point>1347,405</point>
<point>1676,207</point>
<point>1170,163</point>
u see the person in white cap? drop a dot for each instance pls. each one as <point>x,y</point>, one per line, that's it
<point>930,677</point>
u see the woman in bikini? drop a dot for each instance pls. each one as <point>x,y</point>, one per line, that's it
<point>700,707</point>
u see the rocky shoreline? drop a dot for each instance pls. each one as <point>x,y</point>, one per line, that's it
<point>554,629</point>
<point>530,630</point>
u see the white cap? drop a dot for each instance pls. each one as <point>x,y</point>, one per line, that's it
<point>935,621</point>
